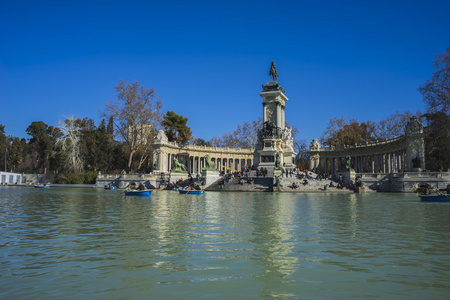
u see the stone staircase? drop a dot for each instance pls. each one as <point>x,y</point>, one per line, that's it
<point>260,184</point>
<point>312,185</point>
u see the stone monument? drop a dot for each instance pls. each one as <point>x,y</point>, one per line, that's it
<point>415,151</point>
<point>209,172</point>
<point>274,138</point>
<point>347,172</point>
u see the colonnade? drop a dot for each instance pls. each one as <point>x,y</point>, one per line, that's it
<point>195,164</point>
<point>390,162</point>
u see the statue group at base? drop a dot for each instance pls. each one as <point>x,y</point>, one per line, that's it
<point>178,167</point>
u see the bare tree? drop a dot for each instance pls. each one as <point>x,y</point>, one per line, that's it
<point>436,91</point>
<point>70,144</point>
<point>244,136</point>
<point>394,125</point>
<point>137,114</point>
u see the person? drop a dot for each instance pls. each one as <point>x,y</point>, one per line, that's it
<point>141,187</point>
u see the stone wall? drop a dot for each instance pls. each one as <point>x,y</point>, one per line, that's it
<point>404,182</point>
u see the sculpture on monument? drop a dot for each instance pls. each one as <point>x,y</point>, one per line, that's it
<point>177,167</point>
<point>273,71</point>
<point>209,165</point>
<point>347,164</point>
<point>278,161</point>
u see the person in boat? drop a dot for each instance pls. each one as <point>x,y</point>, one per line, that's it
<point>447,189</point>
<point>141,187</point>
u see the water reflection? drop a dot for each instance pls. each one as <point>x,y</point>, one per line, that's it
<point>101,244</point>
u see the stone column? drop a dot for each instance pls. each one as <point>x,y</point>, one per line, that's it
<point>279,114</point>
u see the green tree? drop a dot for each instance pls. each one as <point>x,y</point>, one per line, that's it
<point>176,128</point>
<point>437,141</point>
<point>436,91</point>
<point>3,146</point>
<point>42,142</point>
<point>137,115</point>
<point>15,153</point>
<point>201,142</point>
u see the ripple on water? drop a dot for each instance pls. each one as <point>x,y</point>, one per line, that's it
<point>72,243</point>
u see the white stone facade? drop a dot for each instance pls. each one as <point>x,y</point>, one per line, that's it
<point>402,154</point>
<point>193,157</point>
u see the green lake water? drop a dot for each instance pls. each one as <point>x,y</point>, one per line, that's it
<point>69,243</point>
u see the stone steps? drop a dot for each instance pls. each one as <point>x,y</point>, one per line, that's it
<point>260,184</point>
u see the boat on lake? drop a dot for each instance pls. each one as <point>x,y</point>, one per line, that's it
<point>42,186</point>
<point>3,184</point>
<point>197,192</point>
<point>110,187</point>
<point>435,198</point>
<point>138,193</point>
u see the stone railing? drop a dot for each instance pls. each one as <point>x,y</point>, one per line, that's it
<point>361,146</point>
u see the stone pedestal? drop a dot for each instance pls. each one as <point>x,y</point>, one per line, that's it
<point>209,177</point>
<point>174,177</point>
<point>360,189</point>
<point>348,176</point>
<point>277,173</point>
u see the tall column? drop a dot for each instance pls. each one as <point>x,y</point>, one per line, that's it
<point>279,114</point>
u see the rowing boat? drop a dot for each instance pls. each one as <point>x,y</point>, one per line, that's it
<point>138,193</point>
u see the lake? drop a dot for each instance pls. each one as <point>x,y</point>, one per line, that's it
<point>75,243</point>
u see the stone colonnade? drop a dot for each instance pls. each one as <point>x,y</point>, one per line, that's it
<point>193,157</point>
<point>388,162</point>
<point>402,154</point>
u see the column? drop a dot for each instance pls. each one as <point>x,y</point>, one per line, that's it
<point>278,114</point>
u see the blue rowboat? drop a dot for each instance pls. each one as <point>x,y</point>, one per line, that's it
<point>110,187</point>
<point>435,198</point>
<point>138,193</point>
<point>191,192</point>
<point>3,185</point>
<point>42,186</point>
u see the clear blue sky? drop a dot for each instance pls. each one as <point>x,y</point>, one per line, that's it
<point>207,60</point>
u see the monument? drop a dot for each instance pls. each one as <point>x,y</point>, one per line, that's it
<point>209,172</point>
<point>275,139</point>
<point>347,174</point>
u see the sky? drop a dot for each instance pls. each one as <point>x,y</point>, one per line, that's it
<point>208,60</point>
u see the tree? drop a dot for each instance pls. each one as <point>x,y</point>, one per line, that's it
<point>3,146</point>
<point>70,144</point>
<point>42,144</point>
<point>137,114</point>
<point>437,141</point>
<point>244,136</point>
<point>344,132</point>
<point>436,91</point>
<point>176,128</point>
<point>394,125</point>
<point>201,142</point>
<point>15,153</point>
